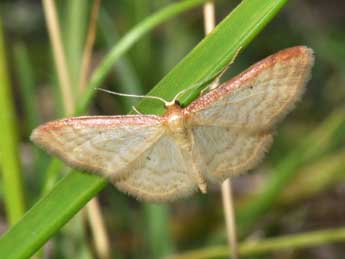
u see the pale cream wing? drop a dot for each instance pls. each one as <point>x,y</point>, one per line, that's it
<point>162,173</point>
<point>100,144</point>
<point>221,153</point>
<point>259,96</point>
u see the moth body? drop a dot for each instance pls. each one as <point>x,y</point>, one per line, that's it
<point>175,122</point>
<point>181,132</point>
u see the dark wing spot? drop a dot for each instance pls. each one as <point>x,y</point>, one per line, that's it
<point>148,158</point>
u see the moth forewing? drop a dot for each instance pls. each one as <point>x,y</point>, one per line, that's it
<point>99,144</point>
<point>258,97</point>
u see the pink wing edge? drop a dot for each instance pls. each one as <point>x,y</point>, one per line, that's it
<point>227,87</point>
<point>38,136</point>
<point>99,121</point>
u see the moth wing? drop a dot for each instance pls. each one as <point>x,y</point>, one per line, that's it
<point>221,153</point>
<point>161,173</point>
<point>231,123</point>
<point>258,97</point>
<point>100,144</point>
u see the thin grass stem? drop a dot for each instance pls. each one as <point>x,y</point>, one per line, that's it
<point>269,245</point>
<point>93,208</point>
<point>9,150</point>
<point>68,100</point>
<point>90,39</point>
<point>27,85</point>
<point>59,54</point>
<point>227,198</point>
<point>98,229</point>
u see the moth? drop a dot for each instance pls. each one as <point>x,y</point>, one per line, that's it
<point>223,133</point>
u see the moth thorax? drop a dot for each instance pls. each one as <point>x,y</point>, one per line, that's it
<point>176,123</point>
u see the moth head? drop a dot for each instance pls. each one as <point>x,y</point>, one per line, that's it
<point>174,102</point>
<point>177,102</point>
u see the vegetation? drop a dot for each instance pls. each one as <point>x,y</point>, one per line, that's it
<point>291,206</point>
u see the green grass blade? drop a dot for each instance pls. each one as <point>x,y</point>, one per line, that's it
<point>269,245</point>
<point>25,75</point>
<point>158,235</point>
<point>208,58</point>
<point>51,178</point>
<point>143,51</point>
<point>9,151</point>
<point>75,23</point>
<point>128,41</point>
<point>322,140</point>
<point>27,85</point>
<point>315,178</point>
<point>201,63</point>
<point>127,79</point>
<point>48,215</point>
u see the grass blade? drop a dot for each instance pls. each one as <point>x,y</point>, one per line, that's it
<point>269,245</point>
<point>75,24</point>
<point>322,140</point>
<point>9,151</point>
<point>28,84</point>
<point>128,41</point>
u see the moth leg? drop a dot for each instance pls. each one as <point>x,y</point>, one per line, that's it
<point>136,110</point>
<point>197,175</point>
<point>202,184</point>
<point>215,83</point>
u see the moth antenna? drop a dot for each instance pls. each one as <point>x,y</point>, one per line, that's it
<point>136,110</point>
<point>214,82</point>
<point>134,95</point>
<point>185,90</point>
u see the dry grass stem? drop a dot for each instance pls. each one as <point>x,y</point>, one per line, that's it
<point>93,208</point>
<point>94,214</point>
<point>228,207</point>
<point>59,55</point>
<point>98,229</point>
<point>228,203</point>
<point>209,17</point>
<point>91,35</point>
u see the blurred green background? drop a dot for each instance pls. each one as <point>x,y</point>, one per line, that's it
<point>311,192</point>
